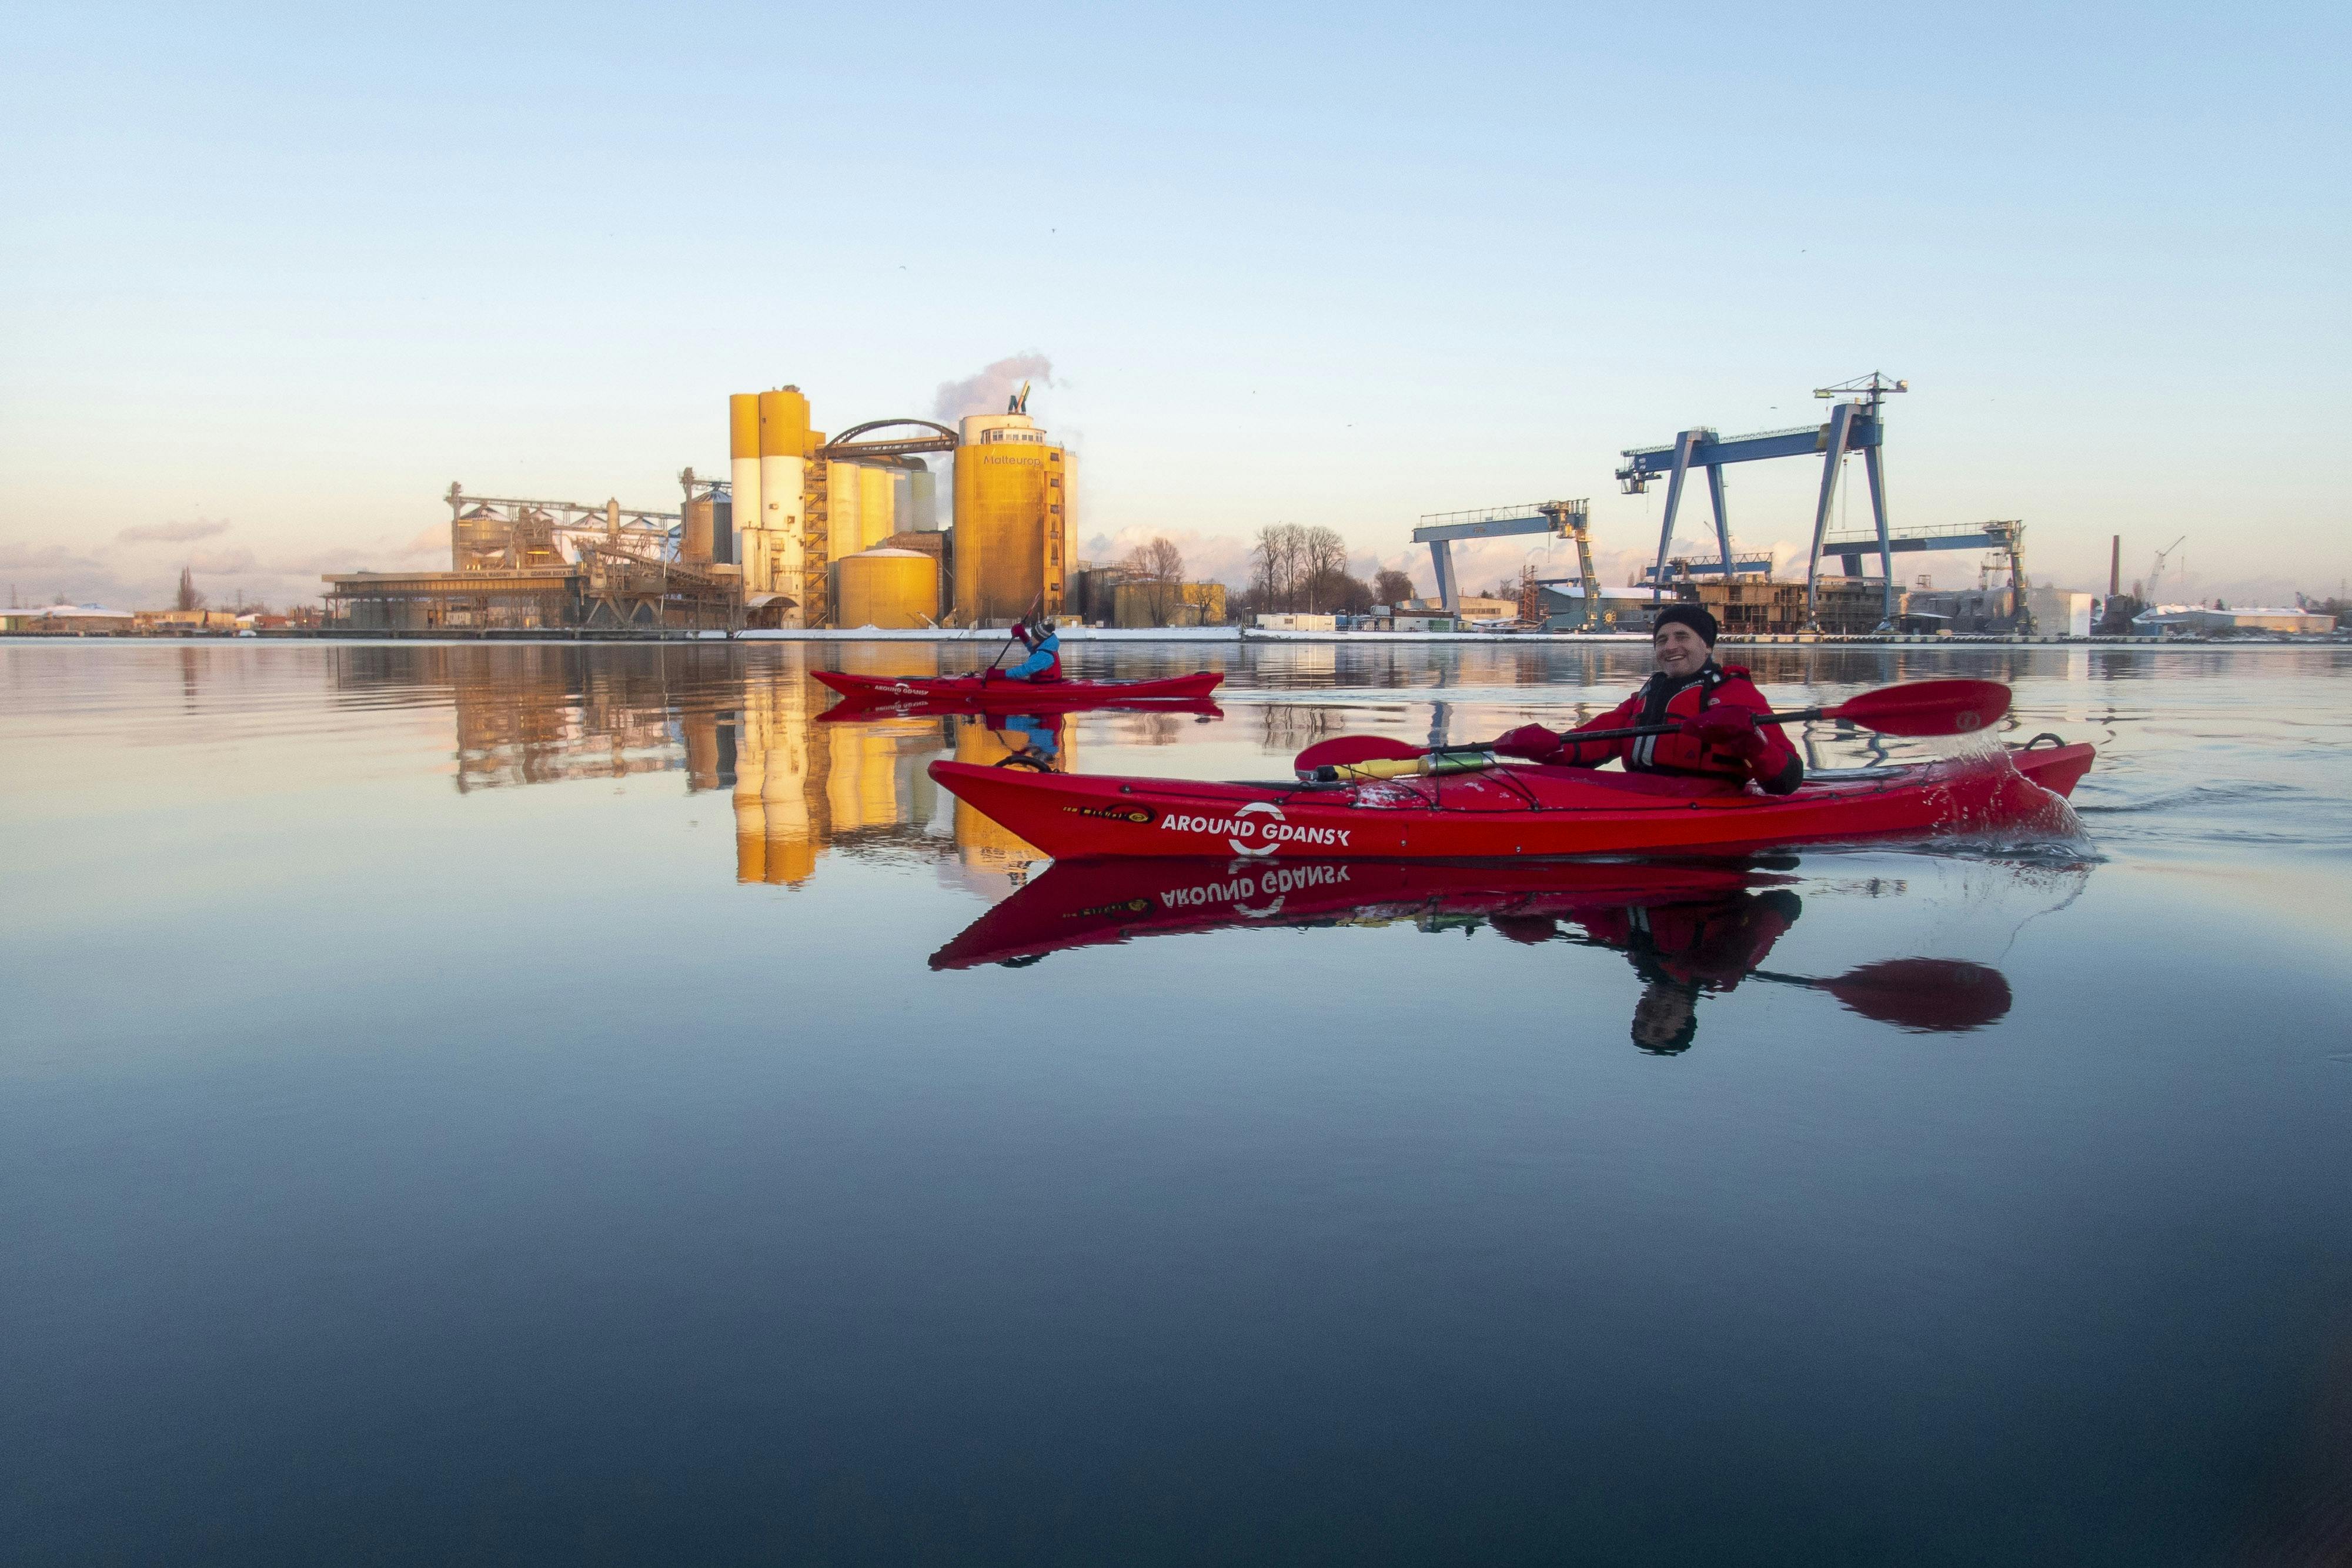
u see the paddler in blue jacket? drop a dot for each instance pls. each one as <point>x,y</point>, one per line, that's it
<point>1044,661</point>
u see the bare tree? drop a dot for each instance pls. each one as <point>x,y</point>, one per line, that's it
<point>1279,551</point>
<point>1158,567</point>
<point>1322,567</point>
<point>188,598</point>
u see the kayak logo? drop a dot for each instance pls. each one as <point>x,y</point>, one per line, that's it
<point>903,689</point>
<point>1244,881</point>
<point>1967,720</point>
<point>1260,819</point>
<point>1256,809</point>
<point>1139,815</point>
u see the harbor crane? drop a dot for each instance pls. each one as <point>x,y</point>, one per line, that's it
<point>1855,425</point>
<point>1565,519</point>
<point>2157,572</point>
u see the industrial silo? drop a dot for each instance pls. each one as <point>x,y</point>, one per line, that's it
<point>890,589</point>
<point>694,536</point>
<point>783,436</point>
<point>1012,501</point>
<point>743,444</point>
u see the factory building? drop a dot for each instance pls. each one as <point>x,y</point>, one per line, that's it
<point>1015,515</point>
<point>816,504</point>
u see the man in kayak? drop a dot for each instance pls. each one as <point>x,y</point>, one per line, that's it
<point>1715,708</point>
<point>1044,661</point>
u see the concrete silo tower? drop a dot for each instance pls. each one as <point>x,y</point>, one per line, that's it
<point>1015,517</point>
<point>783,442</point>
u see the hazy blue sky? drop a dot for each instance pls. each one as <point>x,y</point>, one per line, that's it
<point>292,270</point>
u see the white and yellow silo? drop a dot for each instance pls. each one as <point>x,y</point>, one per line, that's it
<point>743,445</point>
<point>784,438</point>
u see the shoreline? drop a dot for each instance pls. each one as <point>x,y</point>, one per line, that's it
<point>1218,636</point>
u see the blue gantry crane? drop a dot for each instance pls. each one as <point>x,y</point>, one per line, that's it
<point>1565,519</point>
<point>1855,425</point>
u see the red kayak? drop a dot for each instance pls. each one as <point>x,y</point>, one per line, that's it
<point>1004,692</point>
<point>1519,811</point>
<point>864,711</point>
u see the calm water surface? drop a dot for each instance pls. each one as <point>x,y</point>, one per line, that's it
<point>572,1104</point>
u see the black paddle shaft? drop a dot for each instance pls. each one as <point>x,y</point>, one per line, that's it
<point>1035,604</point>
<point>1577,736</point>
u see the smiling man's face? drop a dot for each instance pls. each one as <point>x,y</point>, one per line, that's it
<point>1681,651</point>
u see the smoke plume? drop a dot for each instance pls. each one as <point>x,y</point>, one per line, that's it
<point>172,533</point>
<point>987,392</point>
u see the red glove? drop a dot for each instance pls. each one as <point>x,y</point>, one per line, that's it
<point>1726,729</point>
<point>1531,741</point>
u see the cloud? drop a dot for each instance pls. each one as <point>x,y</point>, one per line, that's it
<point>987,392</point>
<point>221,562</point>
<point>433,540</point>
<point>1208,558</point>
<point>172,533</point>
<point>43,558</point>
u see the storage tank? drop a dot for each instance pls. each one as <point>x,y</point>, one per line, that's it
<point>1013,495</point>
<point>890,589</point>
<point>875,511</point>
<point>743,444</point>
<point>783,438</point>
<point>693,537</point>
<point>920,513</point>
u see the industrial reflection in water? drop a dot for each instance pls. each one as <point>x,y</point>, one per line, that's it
<point>1688,931</point>
<point>802,782</point>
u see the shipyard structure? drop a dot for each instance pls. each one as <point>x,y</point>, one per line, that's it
<point>805,531</point>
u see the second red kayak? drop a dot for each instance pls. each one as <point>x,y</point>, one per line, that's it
<point>1003,691</point>
<point>1503,812</point>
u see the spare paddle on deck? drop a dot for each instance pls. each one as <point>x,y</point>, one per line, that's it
<point>1912,708</point>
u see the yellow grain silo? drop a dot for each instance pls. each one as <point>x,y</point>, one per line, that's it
<point>890,589</point>
<point>876,513</point>
<point>1013,519</point>
<point>844,498</point>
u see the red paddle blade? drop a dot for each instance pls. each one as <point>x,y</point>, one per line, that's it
<point>1341,750</point>
<point>1927,707</point>
<point>1939,996</point>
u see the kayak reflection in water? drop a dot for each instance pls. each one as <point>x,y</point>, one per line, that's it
<point>1041,736</point>
<point>1689,931</point>
<point>1680,950</point>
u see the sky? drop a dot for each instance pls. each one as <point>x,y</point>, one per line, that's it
<point>272,277</point>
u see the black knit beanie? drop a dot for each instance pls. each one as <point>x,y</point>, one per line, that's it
<point>1693,616</point>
